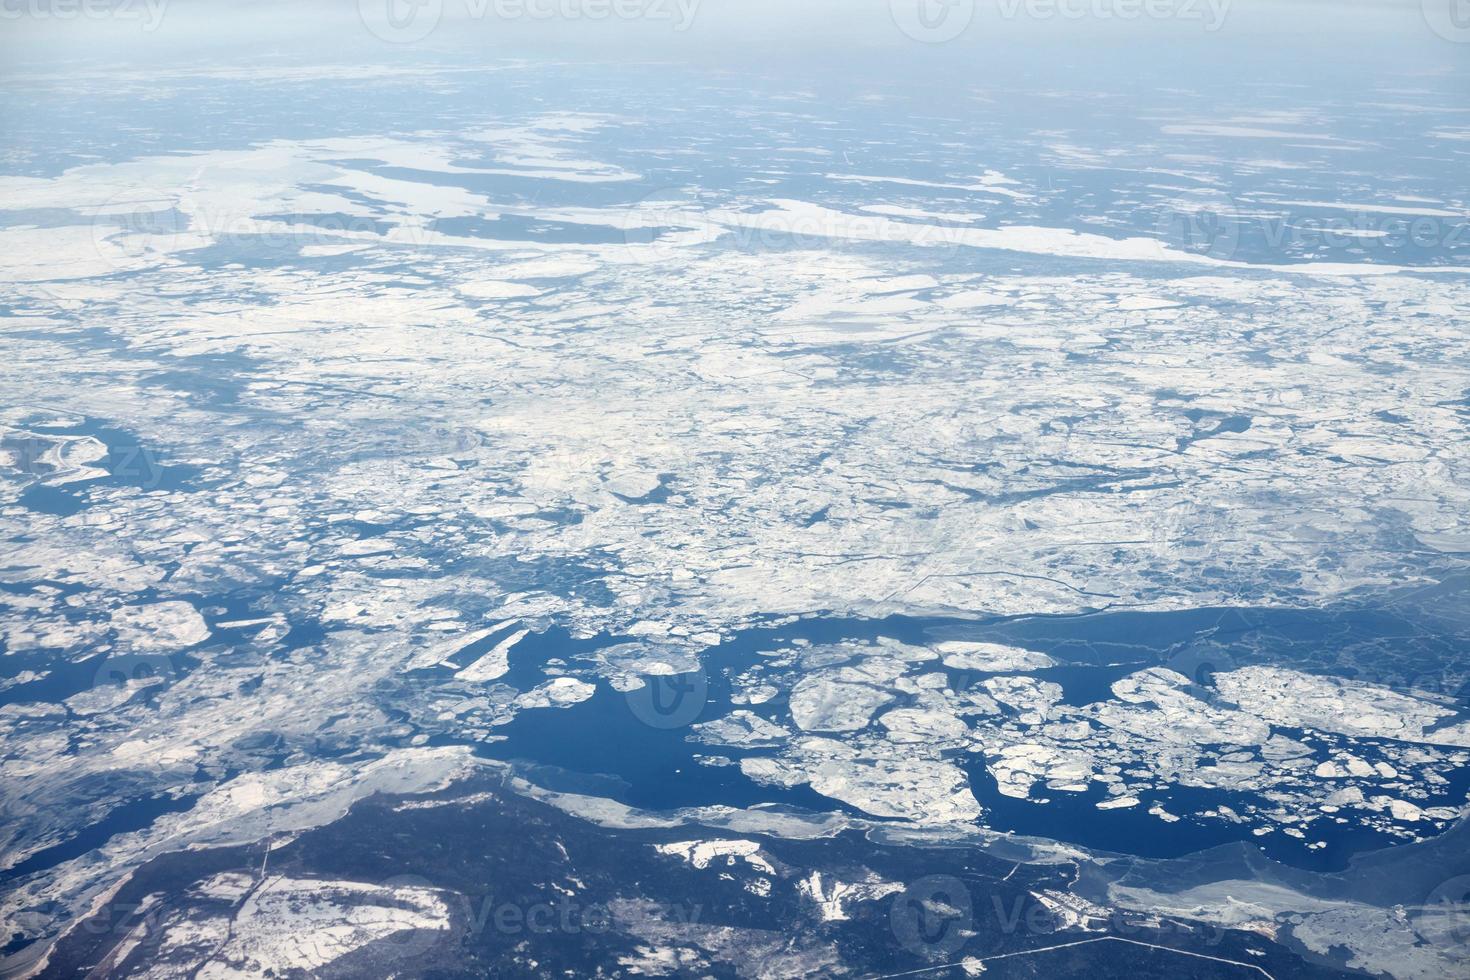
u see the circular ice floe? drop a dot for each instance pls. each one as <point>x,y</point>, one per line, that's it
<point>560,692</point>
<point>990,657</point>
<point>173,625</point>
<point>495,289</point>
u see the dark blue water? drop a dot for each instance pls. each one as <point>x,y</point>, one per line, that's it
<point>129,462</point>
<point>657,765</point>
<point>135,815</point>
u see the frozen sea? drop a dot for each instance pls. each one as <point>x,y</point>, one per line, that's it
<point>753,499</point>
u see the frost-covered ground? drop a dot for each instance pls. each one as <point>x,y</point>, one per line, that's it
<point>332,453</point>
